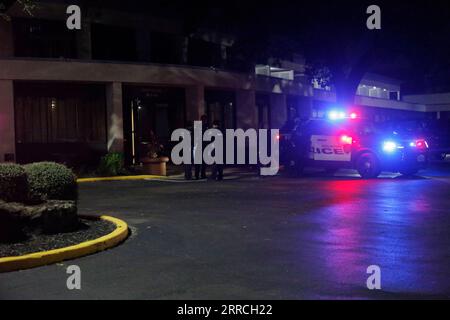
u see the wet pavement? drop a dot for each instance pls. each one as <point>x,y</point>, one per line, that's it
<point>262,238</point>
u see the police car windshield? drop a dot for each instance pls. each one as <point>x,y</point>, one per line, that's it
<point>420,127</point>
<point>366,127</point>
<point>361,127</point>
<point>405,127</point>
<point>317,127</point>
<point>402,128</point>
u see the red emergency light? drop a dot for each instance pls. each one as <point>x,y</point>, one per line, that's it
<point>420,144</point>
<point>346,139</point>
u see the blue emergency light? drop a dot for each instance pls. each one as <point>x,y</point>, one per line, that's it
<point>389,146</point>
<point>341,115</point>
<point>336,115</point>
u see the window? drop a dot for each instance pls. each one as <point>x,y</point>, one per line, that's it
<point>43,39</point>
<point>384,94</point>
<point>374,92</point>
<point>165,48</point>
<point>363,90</point>
<point>60,113</point>
<point>393,95</point>
<point>203,53</point>
<point>113,43</point>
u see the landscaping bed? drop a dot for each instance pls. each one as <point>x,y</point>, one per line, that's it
<point>38,198</point>
<point>88,229</point>
<point>39,221</point>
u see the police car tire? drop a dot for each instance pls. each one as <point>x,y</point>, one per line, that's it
<point>375,166</point>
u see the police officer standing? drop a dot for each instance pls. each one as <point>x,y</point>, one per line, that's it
<point>200,169</point>
<point>217,169</point>
<point>188,166</point>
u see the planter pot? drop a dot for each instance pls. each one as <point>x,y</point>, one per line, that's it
<point>155,166</point>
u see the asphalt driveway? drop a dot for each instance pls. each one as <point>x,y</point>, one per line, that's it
<point>261,238</point>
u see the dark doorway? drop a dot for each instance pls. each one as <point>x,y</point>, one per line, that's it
<point>263,106</point>
<point>221,106</point>
<point>151,114</point>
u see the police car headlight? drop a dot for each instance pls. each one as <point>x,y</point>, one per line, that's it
<point>389,146</point>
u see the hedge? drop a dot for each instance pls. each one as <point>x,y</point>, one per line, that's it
<point>51,181</point>
<point>13,183</point>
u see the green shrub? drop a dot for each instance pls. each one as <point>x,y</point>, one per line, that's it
<point>51,181</point>
<point>112,164</point>
<point>13,183</point>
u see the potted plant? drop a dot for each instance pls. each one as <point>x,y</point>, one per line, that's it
<point>152,161</point>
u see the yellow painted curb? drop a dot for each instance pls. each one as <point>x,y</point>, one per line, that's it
<point>120,178</point>
<point>57,255</point>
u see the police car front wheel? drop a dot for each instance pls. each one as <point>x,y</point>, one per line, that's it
<point>368,166</point>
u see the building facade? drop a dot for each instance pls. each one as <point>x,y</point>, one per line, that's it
<point>73,96</point>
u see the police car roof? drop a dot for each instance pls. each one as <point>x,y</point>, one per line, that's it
<point>327,126</point>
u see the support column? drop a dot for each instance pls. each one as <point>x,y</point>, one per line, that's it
<point>246,113</point>
<point>114,115</point>
<point>7,129</point>
<point>278,110</point>
<point>195,102</point>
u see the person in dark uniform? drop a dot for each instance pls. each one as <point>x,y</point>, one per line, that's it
<point>217,169</point>
<point>188,167</point>
<point>200,169</point>
<point>301,143</point>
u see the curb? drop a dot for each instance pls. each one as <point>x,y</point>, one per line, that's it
<point>120,178</point>
<point>76,251</point>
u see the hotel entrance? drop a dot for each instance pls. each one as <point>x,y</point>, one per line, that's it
<point>151,114</point>
<point>221,106</point>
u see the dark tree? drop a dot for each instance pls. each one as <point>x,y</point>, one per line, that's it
<point>27,6</point>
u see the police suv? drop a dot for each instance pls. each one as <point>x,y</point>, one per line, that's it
<point>348,141</point>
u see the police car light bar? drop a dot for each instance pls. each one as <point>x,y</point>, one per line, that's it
<point>340,115</point>
<point>336,115</point>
